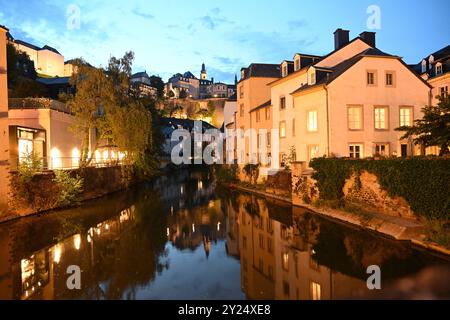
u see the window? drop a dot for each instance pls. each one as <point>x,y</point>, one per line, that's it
<point>241,113</point>
<point>444,91</point>
<point>438,68</point>
<point>297,64</point>
<point>355,151</point>
<point>269,137</point>
<point>282,129</point>
<point>355,117</point>
<point>390,79</point>
<point>293,127</point>
<point>406,116</point>
<point>285,261</point>
<point>258,118</point>
<point>315,290</point>
<point>241,92</point>
<point>269,245</point>
<point>313,152</point>
<point>267,110</point>
<point>282,102</point>
<point>312,121</point>
<point>244,242</point>
<point>381,118</point>
<point>382,149</point>
<point>284,71</point>
<point>371,78</point>
<point>424,66</point>
<point>286,289</point>
<point>313,78</point>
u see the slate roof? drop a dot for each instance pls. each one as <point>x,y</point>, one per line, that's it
<point>53,81</point>
<point>262,70</point>
<point>187,124</point>
<point>265,104</point>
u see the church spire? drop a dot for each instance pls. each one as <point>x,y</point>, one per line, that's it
<point>203,73</point>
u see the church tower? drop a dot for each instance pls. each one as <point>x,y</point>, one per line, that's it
<point>203,74</point>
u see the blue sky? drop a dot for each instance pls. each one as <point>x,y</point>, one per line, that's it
<point>175,36</point>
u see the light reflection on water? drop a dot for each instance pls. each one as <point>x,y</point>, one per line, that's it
<point>183,238</point>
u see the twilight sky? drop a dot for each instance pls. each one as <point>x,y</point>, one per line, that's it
<point>175,36</point>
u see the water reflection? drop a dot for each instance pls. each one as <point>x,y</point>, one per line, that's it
<point>183,238</point>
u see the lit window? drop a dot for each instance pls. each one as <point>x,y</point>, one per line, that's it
<point>282,129</point>
<point>315,291</point>
<point>285,261</point>
<point>242,110</point>
<point>439,68</point>
<point>355,115</point>
<point>381,118</point>
<point>313,78</point>
<point>312,121</point>
<point>405,116</point>
<point>313,152</point>
<point>297,64</point>
<point>284,71</point>
<point>355,151</point>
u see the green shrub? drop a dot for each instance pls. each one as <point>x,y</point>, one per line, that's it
<point>69,187</point>
<point>226,173</point>
<point>252,172</point>
<point>422,181</point>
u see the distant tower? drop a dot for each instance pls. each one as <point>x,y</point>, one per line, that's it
<point>235,79</point>
<point>203,74</point>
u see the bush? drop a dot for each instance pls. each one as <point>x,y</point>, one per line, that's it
<point>69,187</point>
<point>226,173</point>
<point>422,181</point>
<point>252,172</point>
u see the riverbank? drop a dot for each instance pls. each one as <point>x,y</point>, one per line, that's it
<point>401,229</point>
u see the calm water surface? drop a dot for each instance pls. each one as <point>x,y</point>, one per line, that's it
<point>182,238</point>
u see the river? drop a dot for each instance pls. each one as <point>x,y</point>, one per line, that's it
<point>183,237</point>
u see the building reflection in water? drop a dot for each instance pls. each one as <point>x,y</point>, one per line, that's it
<point>123,243</point>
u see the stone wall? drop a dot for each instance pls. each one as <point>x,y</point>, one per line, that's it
<point>44,192</point>
<point>365,190</point>
<point>304,187</point>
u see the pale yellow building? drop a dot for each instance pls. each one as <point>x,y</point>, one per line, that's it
<point>47,60</point>
<point>348,103</point>
<point>252,92</point>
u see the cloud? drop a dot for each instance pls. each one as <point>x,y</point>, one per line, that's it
<point>295,24</point>
<point>208,22</point>
<point>144,15</point>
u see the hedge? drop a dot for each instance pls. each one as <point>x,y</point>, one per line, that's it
<point>422,181</point>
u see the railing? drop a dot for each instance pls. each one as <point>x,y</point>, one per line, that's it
<point>66,163</point>
<point>37,103</point>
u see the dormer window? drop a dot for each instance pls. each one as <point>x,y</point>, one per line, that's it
<point>284,70</point>
<point>313,78</point>
<point>297,64</point>
<point>424,66</point>
<point>430,62</point>
<point>242,74</point>
<point>438,68</point>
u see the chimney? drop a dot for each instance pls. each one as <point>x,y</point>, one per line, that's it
<point>368,37</point>
<point>341,38</point>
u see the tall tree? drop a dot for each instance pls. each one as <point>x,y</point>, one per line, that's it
<point>157,83</point>
<point>434,128</point>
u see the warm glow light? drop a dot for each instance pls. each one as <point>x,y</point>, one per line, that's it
<point>121,155</point>
<point>200,185</point>
<point>98,231</point>
<point>57,250</point>
<point>97,155</point>
<point>75,157</point>
<point>113,155</point>
<point>107,226</point>
<point>89,238</point>
<point>105,155</point>
<point>218,226</point>
<point>168,232</point>
<point>193,227</point>
<point>181,190</point>
<point>77,241</point>
<point>55,156</point>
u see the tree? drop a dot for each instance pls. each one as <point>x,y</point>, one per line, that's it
<point>434,127</point>
<point>25,87</point>
<point>94,96</point>
<point>19,65</point>
<point>157,83</point>
<point>183,94</point>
